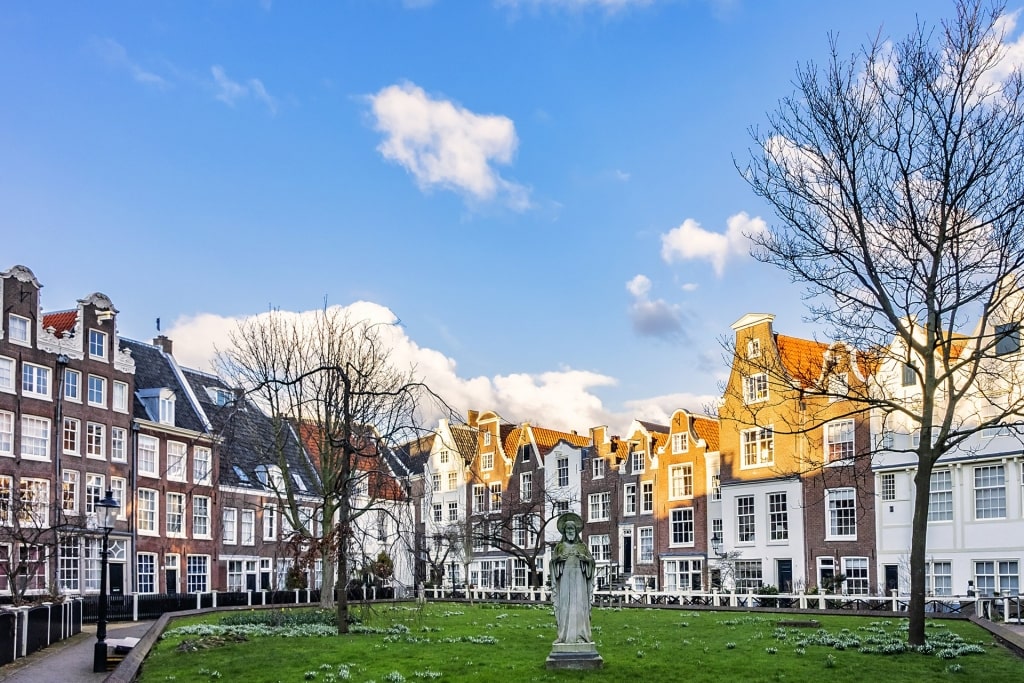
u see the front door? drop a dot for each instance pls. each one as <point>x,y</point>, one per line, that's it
<point>892,578</point>
<point>627,551</point>
<point>784,572</point>
<point>172,581</point>
<point>116,577</point>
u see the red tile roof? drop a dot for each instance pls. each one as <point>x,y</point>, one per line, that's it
<point>60,321</point>
<point>707,429</point>
<point>803,359</point>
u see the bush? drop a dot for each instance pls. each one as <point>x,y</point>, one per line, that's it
<point>280,617</point>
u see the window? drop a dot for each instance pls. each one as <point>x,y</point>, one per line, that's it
<point>229,525</point>
<point>600,547</point>
<point>453,511</point>
<point>940,496</point>
<point>120,397</point>
<point>716,486</point>
<point>479,498</point>
<point>646,545</point>
<point>437,511</point>
<point>683,575</point>
<point>73,385</point>
<point>496,496</point>
<point>200,516</point>
<point>146,572</point>
<point>839,440</point>
<point>97,391</point>
<point>488,461</point>
<point>525,486</point>
<point>856,571</point>
<point>248,527</point>
<point>838,387</point>
<point>887,439</point>
<point>938,578</point>
<point>198,570</point>
<point>755,388</point>
<point>201,469</point>
<point>443,457</point>
<point>35,437</point>
<point>269,523</point>
<point>523,531</point>
<point>33,557</point>
<point>562,470</point>
<point>35,380</point>
<point>70,553</point>
<point>637,461</point>
<point>18,328</point>
<point>118,444</point>
<point>909,375</point>
<point>435,482</point>
<point>748,575</point>
<point>758,446</point>
<point>93,492</point>
<point>487,438</point>
<point>236,576</point>
<point>842,514</point>
<point>166,407</point>
<point>35,502</point>
<point>97,344</point>
<point>753,348</point>
<point>745,531</point>
<point>681,526</point>
<point>526,452</point>
<point>118,488</point>
<point>887,485</point>
<point>95,441</point>
<point>1007,338</point>
<point>6,374</point>
<point>300,484</point>
<point>176,461</point>
<point>148,512</point>
<point>680,481</point>
<point>629,499</point>
<point>599,506</point>
<point>6,433</point>
<point>559,507</point>
<point>1001,576</point>
<point>69,491</point>
<point>778,517</point>
<point>72,428</point>
<point>453,481</point>
<point>989,492</point>
<point>149,457</point>
<point>597,468</point>
<point>646,497</point>
<point>175,515</point>
<point>680,442</point>
<point>6,483</point>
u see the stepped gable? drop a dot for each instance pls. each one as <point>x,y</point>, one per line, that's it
<point>154,370</point>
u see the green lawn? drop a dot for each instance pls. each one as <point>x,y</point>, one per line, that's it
<point>456,642</point>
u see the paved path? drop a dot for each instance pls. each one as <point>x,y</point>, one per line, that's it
<point>69,661</point>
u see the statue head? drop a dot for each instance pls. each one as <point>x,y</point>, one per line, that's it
<point>570,524</point>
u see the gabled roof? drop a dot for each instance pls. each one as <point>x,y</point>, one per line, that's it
<point>708,430</point>
<point>547,439</point>
<point>654,427</point>
<point>155,370</point>
<point>415,454</point>
<point>61,321</point>
<point>464,437</point>
<point>803,359</point>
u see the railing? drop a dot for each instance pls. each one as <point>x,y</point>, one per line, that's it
<point>136,606</point>
<point>24,630</point>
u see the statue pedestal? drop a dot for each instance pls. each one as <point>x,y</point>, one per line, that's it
<point>574,656</point>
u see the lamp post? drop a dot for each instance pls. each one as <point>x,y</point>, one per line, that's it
<point>716,544</point>
<point>106,511</point>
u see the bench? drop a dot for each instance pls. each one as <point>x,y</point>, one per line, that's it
<point>117,649</point>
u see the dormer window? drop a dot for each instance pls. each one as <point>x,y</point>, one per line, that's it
<point>159,404</point>
<point>97,344</point>
<point>18,329</point>
<point>167,409</point>
<point>270,477</point>
<point>240,473</point>
<point>220,396</point>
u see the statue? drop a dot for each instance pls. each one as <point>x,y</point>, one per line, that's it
<point>572,584</point>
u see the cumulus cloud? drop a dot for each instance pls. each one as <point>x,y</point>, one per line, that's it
<point>656,318</point>
<point>563,398</point>
<point>690,241</point>
<point>445,145</point>
<point>229,92</point>
<point>659,409</point>
<point>116,55</point>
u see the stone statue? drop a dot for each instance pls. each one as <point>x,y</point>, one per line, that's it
<point>572,583</point>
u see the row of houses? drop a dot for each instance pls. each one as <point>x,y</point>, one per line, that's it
<point>784,486</point>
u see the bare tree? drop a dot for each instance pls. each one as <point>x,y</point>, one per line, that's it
<point>897,176</point>
<point>29,536</point>
<point>332,376</point>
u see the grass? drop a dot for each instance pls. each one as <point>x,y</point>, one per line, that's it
<point>457,642</point>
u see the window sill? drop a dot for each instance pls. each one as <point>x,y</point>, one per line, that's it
<point>38,397</point>
<point>36,458</point>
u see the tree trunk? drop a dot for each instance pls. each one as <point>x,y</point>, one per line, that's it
<point>918,546</point>
<point>342,584</point>
<point>327,586</point>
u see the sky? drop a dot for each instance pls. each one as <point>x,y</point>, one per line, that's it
<point>542,194</point>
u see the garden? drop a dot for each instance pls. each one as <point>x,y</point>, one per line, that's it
<point>395,643</point>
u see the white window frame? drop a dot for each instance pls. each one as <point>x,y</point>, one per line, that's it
<point>95,441</point>
<point>145,527</point>
<point>840,514</point>
<point>95,485</point>
<point>599,506</point>
<point>838,448</point>
<point>101,385</point>
<point>629,499</point>
<point>645,545</point>
<point>994,498</point>
<point>8,375</point>
<point>247,527</point>
<point>269,522</point>
<point>453,480</point>
<point>597,468</point>
<point>229,526</point>
<point>34,507</point>
<point>98,344</point>
<point>682,532</point>
<point>757,446</point>
<point>174,515</point>
<point>940,496</point>
<point>201,520</point>
<point>22,322</point>
<point>487,461</point>
<point>746,520</point>
<point>72,388</point>
<point>146,581</point>
<point>35,381</point>
<point>494,491</point>
<point>525,486</point>
<point>680,442</point>
<point>149,468</point>
<point>119,397</point>
<point>647,498</point>
<point>600,547</point>
<point>74,426</point>
<point>755,388</point>
<point>562,472</point>
<point>680,481</point>
<point>35,438</point>
<point>118,444</point>
<point>119,490</point>
<point>887,486</point>
<point>202,465</point>
<point>479,498</point>
<point>197,573</point>
<point>856,584</point>
<point>71,481</point>
<point>177,461</point>
<point>778,516</point>
<point>638,464</point>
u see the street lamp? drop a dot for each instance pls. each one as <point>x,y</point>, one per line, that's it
<point>106,511</point>
<point>717,545</point>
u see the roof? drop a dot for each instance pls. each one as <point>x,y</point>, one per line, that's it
<point>464,437</point>
<point>414,454</point>
<point>803,359</point>
<point>707,429</point>
<point>370,457</point>
<point>61,321</point>
<point>654,427</point>
<point>156,370</point>
<point>548,438</point>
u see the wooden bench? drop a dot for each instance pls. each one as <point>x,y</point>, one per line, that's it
<point>118,649</point>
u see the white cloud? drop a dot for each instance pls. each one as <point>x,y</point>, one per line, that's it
<point>659,409</point>
<point>229,91</point>
<point>115,54</point>
<point>656,318</point>
<point>445,145</point>
<point>689,287</point>
<point>690,241</point>
<point>559,399</point>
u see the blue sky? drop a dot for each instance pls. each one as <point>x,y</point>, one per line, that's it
<point>543,192</point>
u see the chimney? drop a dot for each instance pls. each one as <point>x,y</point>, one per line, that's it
<point>164,342</point>
<point>472,416</point>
